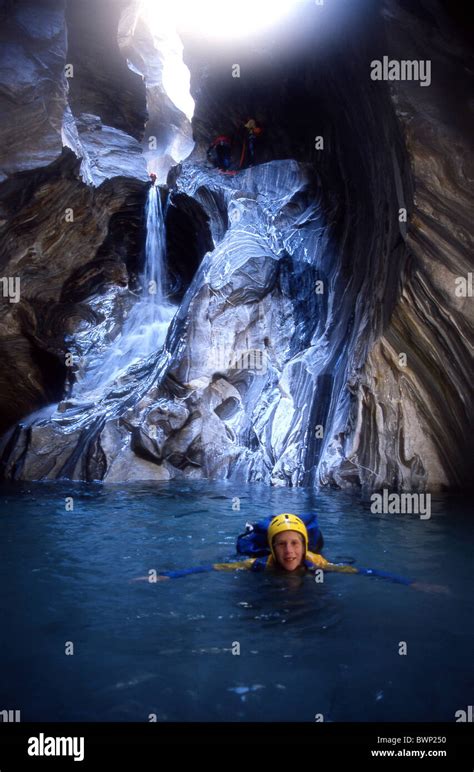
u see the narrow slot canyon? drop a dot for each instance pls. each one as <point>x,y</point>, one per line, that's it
<point>335,256</point>
<point>236,395</point>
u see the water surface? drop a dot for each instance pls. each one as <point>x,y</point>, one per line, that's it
<point>165,649</point>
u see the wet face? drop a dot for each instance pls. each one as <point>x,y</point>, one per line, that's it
<point>289,549</point>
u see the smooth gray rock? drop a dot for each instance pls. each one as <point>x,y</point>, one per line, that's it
<point>106,152</point>
<point>321,339</point>
<point>33,88</point>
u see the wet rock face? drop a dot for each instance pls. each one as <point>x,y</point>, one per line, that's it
<point>106,152</point>
<point>188,237</point>
<point>319,337</point>
<point>59,240</point>
<point>104,122</point>
<point>411,419</point>
<point>102,84</point>
<point>254,361</point>
<point>33,87</point>
<point>76,252</point>
<point>57,234</point>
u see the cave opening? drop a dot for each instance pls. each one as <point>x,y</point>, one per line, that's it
<point>188,238</point>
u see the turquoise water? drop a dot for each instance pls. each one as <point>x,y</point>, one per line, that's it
<point>165,649</point>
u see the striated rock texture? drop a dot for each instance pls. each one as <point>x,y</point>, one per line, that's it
<point>246,382</point>
<point>411,420</point>
<point>102,83</point>
<point>105,120</point>
<point>60,264</point>
<point>319,337</point>
<point>62,241</point>
<point>106,152</point>
<point>33,87</point>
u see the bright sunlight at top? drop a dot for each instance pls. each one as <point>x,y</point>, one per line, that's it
<point>217,19</point>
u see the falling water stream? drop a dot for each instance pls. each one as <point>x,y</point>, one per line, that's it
<point>145,327</point>
<point>119,373</point>
<point>155,250</point>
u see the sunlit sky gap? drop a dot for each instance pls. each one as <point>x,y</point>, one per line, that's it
<point>210,21</point>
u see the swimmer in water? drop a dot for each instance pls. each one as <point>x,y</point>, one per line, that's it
<point>288,543</point>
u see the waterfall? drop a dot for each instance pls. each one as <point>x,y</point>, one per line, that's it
<point>144,329</point>
<point>154,274</point>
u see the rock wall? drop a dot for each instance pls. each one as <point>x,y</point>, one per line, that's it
<point>411,417</point>
<point>33,86</point>
<point>365,383</point>
<point>56,232</point>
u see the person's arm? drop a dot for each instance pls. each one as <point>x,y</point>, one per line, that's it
<point>238,565</point>
<point>421,586</point>
<point>163,575</point>
<point>320,562</point>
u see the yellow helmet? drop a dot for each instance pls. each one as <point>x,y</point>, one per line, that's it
<point>286,522</point>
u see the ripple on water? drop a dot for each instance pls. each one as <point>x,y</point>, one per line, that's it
<point>167,648</point>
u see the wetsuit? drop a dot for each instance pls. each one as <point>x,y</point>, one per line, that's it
<point>220,152</point>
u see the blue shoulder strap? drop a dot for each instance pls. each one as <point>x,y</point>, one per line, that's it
<point>260,564</point>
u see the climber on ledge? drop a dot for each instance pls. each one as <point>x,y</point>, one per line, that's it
<point>253,132</point>
<point>219,152</point>
<point>288,540</point>
<point>152,177</point>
